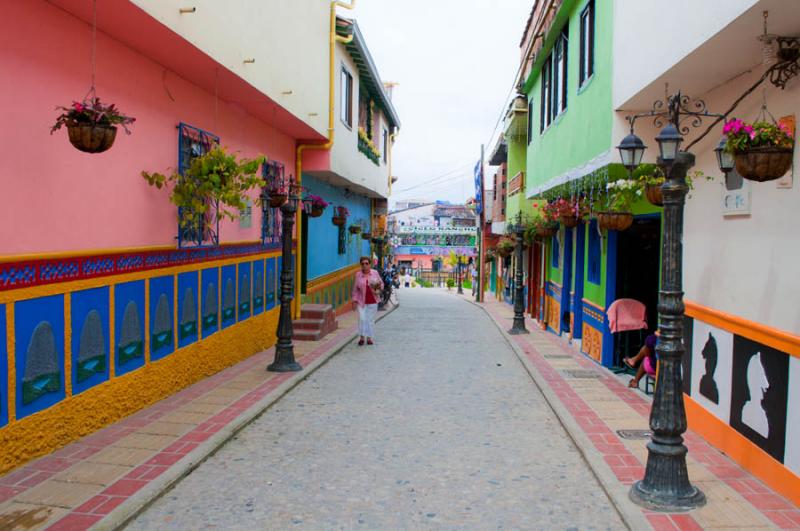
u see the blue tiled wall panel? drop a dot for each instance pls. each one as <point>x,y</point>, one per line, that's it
<point>3,368</point>
<point>129,326</point>
<point>91,339</point>
<point>39,340</point>
<point>244,290</point>
<point>258,287</point>
<point>272,283</point>
<point>228,300</point>
<point>187,308</point>
<point>210,305</point>
<point>162,316</point>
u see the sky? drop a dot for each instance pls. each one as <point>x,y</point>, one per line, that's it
<point>455,62</point>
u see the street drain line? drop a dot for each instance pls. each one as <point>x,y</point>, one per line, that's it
<point>634,434</point>
<point>580,373</point>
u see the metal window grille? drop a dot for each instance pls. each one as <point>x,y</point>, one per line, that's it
<point>193,143</point>
<point>271,219</point>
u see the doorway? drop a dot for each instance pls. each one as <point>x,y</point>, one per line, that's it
<point>637,277</point>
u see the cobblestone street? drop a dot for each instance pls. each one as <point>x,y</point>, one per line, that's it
<point>436,426</point>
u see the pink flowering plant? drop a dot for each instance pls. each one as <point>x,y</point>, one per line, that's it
<point>341,212</point>
<point>743,136</point>
<point>91,112</point>
<point>317,201</point>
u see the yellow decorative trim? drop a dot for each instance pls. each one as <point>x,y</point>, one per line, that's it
<point>599,308</point>
<point>67,344</point>
<point>773,337</point>
<point>45,431</point>
<point>12,373</point>
<point>592,343</point>
<point>331,278</point>
<point>59,288</point>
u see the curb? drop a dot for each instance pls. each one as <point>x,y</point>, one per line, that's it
<point>617,493</point>
<point>137,503</point>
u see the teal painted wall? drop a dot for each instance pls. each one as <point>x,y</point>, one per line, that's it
<point>584,130</point>
<point>323,235</point>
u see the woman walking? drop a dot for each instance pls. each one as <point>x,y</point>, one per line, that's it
<point>367,285</point>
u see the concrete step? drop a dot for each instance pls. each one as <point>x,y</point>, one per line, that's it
<point>310,324</point>
<point>315,311</point>
<point>307,335</point>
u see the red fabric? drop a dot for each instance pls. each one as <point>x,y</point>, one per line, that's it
<point>626,314</point>
<point>369,297</point>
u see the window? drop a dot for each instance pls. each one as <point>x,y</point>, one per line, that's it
<point>271,218</point>
<point>347,98</point>
<point>193,143</point>
<point>587,43</point>
<point>593,267</point>
<point>530,121</point>
<point>554,261</point>
<point>554,82</point>
<point>385,145</point>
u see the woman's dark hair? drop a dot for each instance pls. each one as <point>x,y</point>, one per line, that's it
<point>367,258</point>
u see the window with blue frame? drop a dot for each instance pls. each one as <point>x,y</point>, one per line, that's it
<point>554,261</point>
<point>593,265</point>
<point>273,173</point>
<point>193,143</point>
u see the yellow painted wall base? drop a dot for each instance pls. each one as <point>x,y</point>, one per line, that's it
<point>108,402</point>
<point>740,449</point>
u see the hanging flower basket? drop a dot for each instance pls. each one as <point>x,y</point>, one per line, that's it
<point>763,164</point>
<point>316,212</point>
<point>91,138</point>
<point>339,221</point>
<point>618,221</point>
<point>762,151</point>
<point>91,124</point>
<point>366,236</point>
<point>276,200</point>
<point>354,229</point>
<point>654,194</point>
<point>546,231</point>
<point>569,221</point>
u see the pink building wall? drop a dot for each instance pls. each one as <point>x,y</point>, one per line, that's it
<point>59,199</point>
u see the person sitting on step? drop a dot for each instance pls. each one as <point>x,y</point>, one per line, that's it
<point>644,361</point>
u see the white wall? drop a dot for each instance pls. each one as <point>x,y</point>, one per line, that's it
<point>287,39</point>
<point>652,35</point>
<point>745,265</point>
<point>346,160</point>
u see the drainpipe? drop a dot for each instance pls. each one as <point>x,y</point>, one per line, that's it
<point>327,145</point>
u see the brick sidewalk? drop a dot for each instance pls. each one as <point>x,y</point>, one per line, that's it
<point>123,466</point>
<point>593,408</point>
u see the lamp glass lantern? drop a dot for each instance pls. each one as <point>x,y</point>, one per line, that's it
<point>724,157</point>
<point>669,142</point>
<point>631,151</point>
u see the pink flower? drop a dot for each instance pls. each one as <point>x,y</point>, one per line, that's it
<point>77,106</point>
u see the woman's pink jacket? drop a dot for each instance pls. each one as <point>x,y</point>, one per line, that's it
<point>359,293</point>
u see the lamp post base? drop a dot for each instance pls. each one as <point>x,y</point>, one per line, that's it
<point>284,361</point>
<point>518,328</point>
<point>666,501</point>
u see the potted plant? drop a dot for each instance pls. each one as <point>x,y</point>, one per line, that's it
<point>354,229</point>
<point>340,215</point>
<point>366,236</point>
<point>318,205</point>
<point>620,196</point>
<point>651,178</point>
<point>762,151</point>
<point>505,247</point>
<point>216,179</point>
<point>91,124</point>
<point>570,212</point>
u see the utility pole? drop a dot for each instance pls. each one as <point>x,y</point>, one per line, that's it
<point>481,242</point>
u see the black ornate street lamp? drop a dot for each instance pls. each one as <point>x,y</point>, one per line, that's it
<point>284,349</point>
<point>458,274</point>
<point>518,326</point>
<point>666,485</point>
